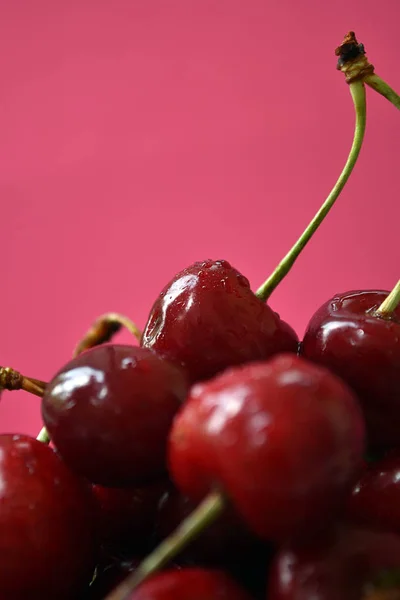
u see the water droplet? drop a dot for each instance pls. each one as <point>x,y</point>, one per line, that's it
<point>128,362</point>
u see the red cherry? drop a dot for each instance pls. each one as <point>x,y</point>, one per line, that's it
<point>207,319</point>
<point>283,439</point>
<point>193,584</point>
<point>109,412</point>
<point>349,564</point>
<point>126,516</point>
<point>375,501</point>
<point>364,350</point>
<point>226,541</point>
<point>46,534</point>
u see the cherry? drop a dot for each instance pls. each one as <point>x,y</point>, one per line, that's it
<point>126,516</point>
<point>193,583</point>
<point>284,440</point>
<point>349,564</point>
<point>46,535</point>
<point>109,411</point>
<point>375,501</point>
<point>353,337</point>
<point>207,318</point>
<point>225,542</point>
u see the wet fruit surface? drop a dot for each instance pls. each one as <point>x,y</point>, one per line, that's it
<point>109,412</point>
<point>46,531</point>
<point>346,336</point>
<point>283,439</point>
<point>207,319</point>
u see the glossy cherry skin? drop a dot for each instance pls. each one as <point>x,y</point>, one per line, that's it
<point>190,583</point>
<point>375,501</point>
<point>346,336</point>
<point>225,541</point>
<point>349,564</point>
<point>126,516</point>
<point>207,319</point>
<point>109,412</point>
<point>283,439</point>
<point>47,542</point>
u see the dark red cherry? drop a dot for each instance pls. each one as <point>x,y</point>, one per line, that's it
<point>46,533</point>
<point>226,541</point>
<point>349,564</point>
<point>283,439</point>
<point>207,318</point>
<point>190,584</point>
<point>109,412</point>
<point>126,516</point>
<point>375,501</point>
<point>364,350</point>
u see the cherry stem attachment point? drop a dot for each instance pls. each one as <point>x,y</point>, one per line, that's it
<point>357,90</point>
<point>13,380</point>
<point>103,330</point>
<point>203,516</point>
<point>390,303</point>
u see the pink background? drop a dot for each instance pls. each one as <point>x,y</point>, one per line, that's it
<point>139,136</point>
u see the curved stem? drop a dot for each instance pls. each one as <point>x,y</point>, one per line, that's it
<point>390,303</point>
<point>203,516</point>
<point>380,86</point>
<point>103,330</point>
<point>357,90</point>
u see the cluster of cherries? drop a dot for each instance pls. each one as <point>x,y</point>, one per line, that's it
<point>219,459</point>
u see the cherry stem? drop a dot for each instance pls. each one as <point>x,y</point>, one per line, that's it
<point>43,436</point>
<point>390,303</point>
<point>13,380</point>
<point>203,516</point>
<point>380,86</point>
<point>103,330</point>
<point>357,90</point>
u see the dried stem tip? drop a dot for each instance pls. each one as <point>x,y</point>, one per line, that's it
<point>352,59</point>
<point>10,379</point>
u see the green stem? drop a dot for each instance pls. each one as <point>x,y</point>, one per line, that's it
<point>390,303</point>
<point>380,86</point>
<point>203,516</point>
<point>43,436</point>
<point>357,90</point>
